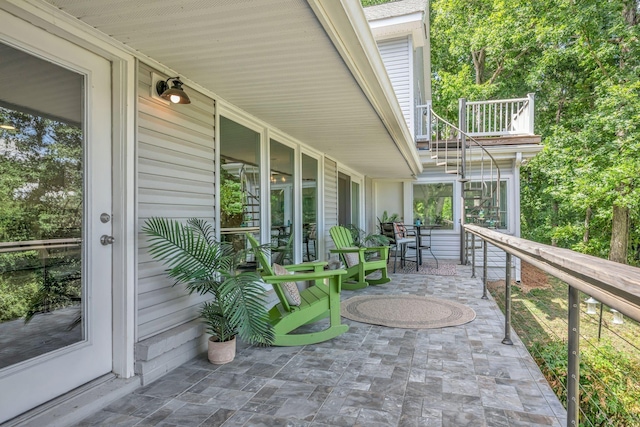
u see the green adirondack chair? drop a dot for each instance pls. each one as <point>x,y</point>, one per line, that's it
<point>319,301</point>
<point>354,258</point>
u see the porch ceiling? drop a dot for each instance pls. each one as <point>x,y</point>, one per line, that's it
<point>272,58</point>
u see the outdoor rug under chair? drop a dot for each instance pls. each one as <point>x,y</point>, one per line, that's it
<point>406,311</point>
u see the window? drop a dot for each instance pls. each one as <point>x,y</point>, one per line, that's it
<point>309,207</point>
<point>355,204</point>
<point>239,181</point>
<point>433,204</point>
<point>281,178</point>
<point>42,208</point>
<point>484,216</point>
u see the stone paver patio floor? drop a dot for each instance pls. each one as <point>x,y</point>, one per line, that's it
<point>371,376</point>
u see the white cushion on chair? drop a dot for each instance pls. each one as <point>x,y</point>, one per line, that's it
<point>406,240</point>
<point>352,258</point>
<point>290,289</point>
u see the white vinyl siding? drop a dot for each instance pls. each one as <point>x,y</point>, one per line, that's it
<point>330,200</point>
<point>446,243</point>
<point>397,57</point>
<point>176,173</point>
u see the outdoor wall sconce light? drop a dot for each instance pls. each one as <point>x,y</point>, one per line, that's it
<point>591,305</point>
<point>175,94</point>
<point>617,317</point>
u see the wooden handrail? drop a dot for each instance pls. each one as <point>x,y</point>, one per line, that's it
<point>614,284</point>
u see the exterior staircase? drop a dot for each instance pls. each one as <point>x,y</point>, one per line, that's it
<point>463,151</point>
<point>249,179</point>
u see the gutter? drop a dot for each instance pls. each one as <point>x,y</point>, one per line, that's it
<point>347,27</point>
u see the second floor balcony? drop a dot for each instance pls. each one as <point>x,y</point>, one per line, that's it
<point>493,122</point>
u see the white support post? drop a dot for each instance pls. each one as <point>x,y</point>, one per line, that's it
<point>429,119</point>
<point>531,97</point>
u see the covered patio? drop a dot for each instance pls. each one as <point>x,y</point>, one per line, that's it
<point>370,376</point>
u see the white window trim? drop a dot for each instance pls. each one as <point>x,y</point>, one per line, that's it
<point>457,199</point>
<point>320,198</point>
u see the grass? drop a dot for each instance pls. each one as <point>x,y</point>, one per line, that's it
<point>541,314</point>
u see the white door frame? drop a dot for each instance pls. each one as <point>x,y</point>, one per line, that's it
<point>124,113</point>
<point>124,136</point>
<point>71,366</point>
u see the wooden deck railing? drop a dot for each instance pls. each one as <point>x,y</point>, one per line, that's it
<point>614,284</point>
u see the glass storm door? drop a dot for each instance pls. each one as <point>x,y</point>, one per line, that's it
<point>55,204</point>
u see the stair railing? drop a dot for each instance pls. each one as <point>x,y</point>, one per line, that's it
<point>472,159</point>
<point>446,137</point>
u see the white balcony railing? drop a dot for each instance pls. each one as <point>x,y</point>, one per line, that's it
<point>500,117</point>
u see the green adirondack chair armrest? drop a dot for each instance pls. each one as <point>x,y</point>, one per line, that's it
<point>382,250</point>
<point>348,250</point>
<point>307,266</point>
<point>299,277</point>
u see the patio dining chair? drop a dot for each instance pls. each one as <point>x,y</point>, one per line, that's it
<point>400,238</point>
<point>310,238</point>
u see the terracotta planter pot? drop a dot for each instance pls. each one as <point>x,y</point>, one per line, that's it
<point>221,352</point>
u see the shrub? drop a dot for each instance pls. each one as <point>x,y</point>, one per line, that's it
<point>14,299</point>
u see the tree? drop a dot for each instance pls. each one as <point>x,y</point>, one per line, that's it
<point>582,59</point>
<point>41,172</point>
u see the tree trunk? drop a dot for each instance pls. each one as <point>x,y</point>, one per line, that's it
<point>478,63</point>
<point>630,12</point>
<point>619,234</point>
<point>587,221</point>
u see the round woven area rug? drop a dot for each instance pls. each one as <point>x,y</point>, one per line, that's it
<point>406,311</point>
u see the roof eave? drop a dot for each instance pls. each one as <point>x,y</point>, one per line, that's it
<point>347,27</point>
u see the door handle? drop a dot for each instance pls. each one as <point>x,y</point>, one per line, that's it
<point>107,240</point>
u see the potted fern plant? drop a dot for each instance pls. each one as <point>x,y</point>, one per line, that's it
<point>209,267</point>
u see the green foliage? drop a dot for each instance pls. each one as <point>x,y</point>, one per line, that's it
<point>208,267</point>
<point>432,204</point>
<point>40,179</point>
<point>609,381</point>
<point>386,218</point>
<point>231,199</point>
<point>30,285</point>
<point>362,239</point>
<point>56,290</point>
<point>14,299</point>
<point>582,59</point>
<point>41,183</point>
